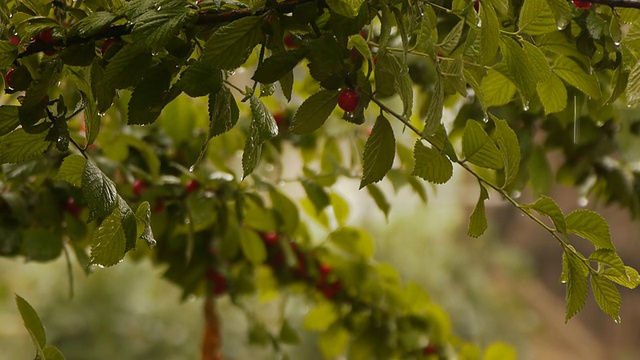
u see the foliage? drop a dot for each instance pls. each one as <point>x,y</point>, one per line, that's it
<point>524,78</point>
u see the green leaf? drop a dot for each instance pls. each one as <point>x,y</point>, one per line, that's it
<point>434,111</point>
<point>102,92</point>
<point>633,86</point>
<point>316,194</point>
<point>19,146</point>
<point>630,280</point>
<point>489,33</point>
<point>500,351</point>
<point>288,216</point>
<point>520,68</point>
<point>360,44</point>
<point>340,208</point>
<point>609,258</point>
<point>452,39</point>
<point>497,89</point>
<point>561,12</point>
<point>143,223</point>
<point>539,64</point>
<point>252,246</point>
<point>552,94</point>
<point>380,199</point>
<point>540,173</point>
<point>507,142</point>
<point>127,67</point>
<point>41,245</point>
<point>478,147</point>
<point>591,226</point>
<point>288,334</point>
<point>109,240</point>
<point>478,218</point>
<point>46,79</point>
<point>223,112</point>
<point>32,322</point>
<point>353,241</point>
<point>536,18</point>
<point>148,98</point>
<point>577,288</point>
<point>99,191</point>
<point>314,111</point>
<point>230,45</point>
<point>52,353</point>
<point>200,79</point>
<point>275,67</point>
<point>92,25</point>
<point>71,170</point>
<point>334,341</point>
<point>156,28</point>
<point>607,296</point>
<point>263,127</point>
<point>8,53</point>
<point>431,165</point>
<point>348,8</point>
<point>547,206</point>
<point>9,118</point>
<point>320,317</point>
<point>389,69</point>
<point>571,72</point>
<point>379,152</point>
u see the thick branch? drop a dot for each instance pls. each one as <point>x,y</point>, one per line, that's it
<point>205,17</point>
<point>631,4</point>
<point>211,339</point>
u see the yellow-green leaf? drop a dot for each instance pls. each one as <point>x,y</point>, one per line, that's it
<point>553,94</point>
<point>431,165</point>
<point>571,72</point>
<point>478,148</point>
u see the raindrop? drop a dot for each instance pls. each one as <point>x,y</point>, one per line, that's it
<point>563,281</point>
<point>485,118</point>
<point>100,114</point>
<point>159,8</point>
<point>617,320</point>
<point>525,106</point>
<point>516,194</point>
<point>616,43</point>
<point>191,168</point>
<point>583,201</point>
<point>479,22</point>
<point>269,167</point>
<point>231,72</point>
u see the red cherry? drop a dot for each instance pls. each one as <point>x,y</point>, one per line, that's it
<point>139,187</point>
<point>14,40</point>
<point>348,100</point>
<point>159,207</point>
<point>429,350</point>
<point>290,42</point>
<point>72,207</point>
<point>8,77</point>
<point>199,1</point>
<point>330,291</point>
<point>476,5</point>
<point>192,186</point>
<point>582,4</point>
<point>270,238</point>
<point>218,281</point>
<point>106,44</point>
<point>280,119</point>
<point>46,36</point>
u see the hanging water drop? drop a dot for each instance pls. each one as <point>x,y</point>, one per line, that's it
<point>479,22</point>
<point>159,8</point>
<point>516,194</point>
<point>231,72</point>
<point>583,201</point>
<point>616,43</point>
<point>525,106</point>
<point>192,168</point>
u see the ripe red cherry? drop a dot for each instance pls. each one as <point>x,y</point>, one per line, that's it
<point>14,40</point>
<point>280,119</point>
<point>290,42</point>
<point>8,77</point>
<point>429,350</point>
<point>106,44</point>
<point>270,238</point>
<point>46,36</point>
<point>72,207</point>
<point>476,5</point>
<point>159,207</point>
<point>348,100</point>
<point>139,187</point>
<point>582,4</point>
<point>218,281</point>
<point>192,186</point>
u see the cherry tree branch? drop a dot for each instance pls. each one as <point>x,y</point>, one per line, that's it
<point>630,4</point>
